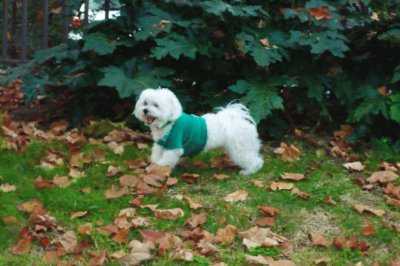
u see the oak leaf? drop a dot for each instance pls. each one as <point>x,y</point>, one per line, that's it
<point>239,195</point>
<point>169,214</point>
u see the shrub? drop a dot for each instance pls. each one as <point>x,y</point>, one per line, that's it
<point>289,61</point>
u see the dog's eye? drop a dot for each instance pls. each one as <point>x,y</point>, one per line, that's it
<point>145,103</point>
<point>156,105</point>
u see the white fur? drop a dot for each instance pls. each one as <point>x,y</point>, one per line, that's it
<point>231,128</point>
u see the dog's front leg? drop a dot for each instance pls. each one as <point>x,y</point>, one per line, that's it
<point>156,153</point>
<point>170,157</point>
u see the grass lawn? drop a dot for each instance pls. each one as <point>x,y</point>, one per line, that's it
<point>325,177</point>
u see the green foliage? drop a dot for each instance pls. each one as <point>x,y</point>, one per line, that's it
<point>322,61</point>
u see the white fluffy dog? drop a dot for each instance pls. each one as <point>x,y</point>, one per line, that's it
<point>178,134</point>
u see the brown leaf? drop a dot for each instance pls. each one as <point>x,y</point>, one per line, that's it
<point>107,230</point>
<point>368,230</point>
<point>265,222</point>
<point>301,194</point>
<point>152,236</point>
<point>351,242</point>
<point>258,183</point>
<point>383,90</point>
<point>99,155</point>
<point>288,153</point>
<point>86,190</point>
<point>61,181</point>
<point>322,261</point>
<point>158,170</point>
<point>193,205</point>
<point>354,166</point>
<point>206,248</point>
<point>128,181</point>
<point>116,148</point>
<point>382,177</point>
<point>320,13</point>
<point>362,208</point>
<point>137,201</point>
<point>169,214</point>
<point>98,259</point>
<point>183,254</point>
<point>330,201</point>
<point>143,188</point>
<point>113,170</point>
<point>272,262</point>
<point>318,240</point>
<point>256,237</point>
<point>227,235</point>
<point>121,236</point>
<point>169,242</point>
<point>84,229</point>
<point>270,211</point>
<point>239,195</point>
<point>136,258</point>
<point>53,257</point>
<point>22,247</point>
<point>78,214</point>
<point>220,176</point>
<point>30,205</point>
<point>256,260</point>
<point>196,220</point>
<point>69,241</point>
<point>393,202</point>
<point>7,188</point>
<point>135,164</point>
<point>281,186</point>
<point>154,180</point>
<point>41,183</point>
<point>10,220</point>
<point>190,178</point>
<point>114,192</point>
<point>292,176</point>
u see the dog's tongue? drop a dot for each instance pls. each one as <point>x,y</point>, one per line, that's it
<point>150,119</point>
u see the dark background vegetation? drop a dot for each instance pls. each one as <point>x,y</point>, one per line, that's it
<point>316,63</point>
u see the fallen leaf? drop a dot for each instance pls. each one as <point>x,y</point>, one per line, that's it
<point>351,242</point>
<point>30,206</point>
<point>292,176</point>
<point>98,259</point>
<point>86,190</point>
<point>206,248</point>
<point>169,214</point>
<point>41,183</point>
<point>272,262</point>
<point>137,201</point>
<point>128,181</point>
<point>114,192</point>
<point>121,236</point>
<point>301,194</point>
<point>135,164</point>
<point>318,240</point>
<point>22,247</point>
<point>7,188</point>
<point>354,166</point>
<point>322,261</point>
<point>154,180</point>
<point>113,170</point>
<point>368,230</point>
<point>169,242</point>
<point>190,178</point>
<point>53,256</point>
<point>193,205</point>
<point>99,155</point>
<point>288,153</point>
<point>330,201</point>
<point>257,260</point>
<point>84,229</point>
<point>320,13</point>
<point>265,222</point>
<point>258,183</point>
<point>220,176</point>
<point>196,220</point>
<point>183,254</point>
<point>382,177</point>
<point>362,208</point>
<point>270,211</point>
<point>257,237</point>
<point>136,258</point>
<point>239,195</point>
<point>78,214</point>
<point>146,246</point>
<point>69,241</point>
<point>227,234</point>
<point>61,181</point>
<point>281,186</point>
<point>10,220</point>
<point>107,230</point>
<point>155,169</point>
<point>116,148</point>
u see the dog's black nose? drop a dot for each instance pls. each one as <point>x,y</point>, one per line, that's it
<point>145,111</point>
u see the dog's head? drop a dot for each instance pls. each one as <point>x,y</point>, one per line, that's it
<point>156,107</point>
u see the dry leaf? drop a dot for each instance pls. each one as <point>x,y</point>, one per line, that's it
<point>183,254</point>
<point>318,240</point>
<point>281,186</point>
<point>69,241</point>
<point>351,242</point>
<point>382,177</point>
<point>270,211</point>
<point>22,247</point>
<point>362,208</point>
<point>239,195</point>
<point>220,176</point>
<point>121,236</point>
<point>320,13</point>
<point>292,176</point>
<point>30,206</point>
<point>169,214</point>
<point>368,230</point>
<point>135,164</point>
<point>354,166</point>
<point>9,220</point>
<point>78,214</point>
<point>61,181</point>
<point>128,181</point>
<point>190,178</point>
<point>107,230</point>
<point>114,192</point>
<point>226,235</point>
<point>84,229</point>
<point>98,259</point>
<point>258,183</point>
<point>136,258</point>
<point>322,261</point>
<point>265,222</point>
<point>257,260</point>
<point>300,193</point>
<point>288,153</point>
<point>137,201</point>
<point>330,201</point>
<point>41,183</point>
<point>196,220</point>
<point>155,169</point>
<point>256,237</point>
<point>116,148</point>
<point>7,188</point>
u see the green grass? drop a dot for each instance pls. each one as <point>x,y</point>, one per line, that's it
<point>297,217</point>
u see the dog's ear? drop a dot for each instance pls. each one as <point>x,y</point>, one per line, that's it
<point>175,105</point>
<point>139,102</point>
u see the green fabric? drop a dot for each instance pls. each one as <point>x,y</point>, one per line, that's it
<point>189,133</point>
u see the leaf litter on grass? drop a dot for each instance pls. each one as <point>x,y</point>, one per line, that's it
<point>135,181</point>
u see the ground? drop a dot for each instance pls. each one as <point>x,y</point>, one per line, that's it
<point>194,222</point>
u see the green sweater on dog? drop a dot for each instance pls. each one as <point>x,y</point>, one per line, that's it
<point>189,133</point>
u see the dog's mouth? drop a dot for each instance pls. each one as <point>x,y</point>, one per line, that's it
<point>150,119</point>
